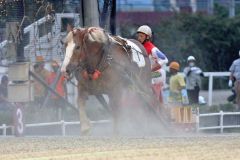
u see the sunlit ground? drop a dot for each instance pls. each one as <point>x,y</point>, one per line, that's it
<point>197,147</point>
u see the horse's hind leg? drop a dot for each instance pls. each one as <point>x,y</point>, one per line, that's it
<point>84,121</point>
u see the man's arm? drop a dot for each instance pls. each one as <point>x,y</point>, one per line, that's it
<point>231,77</point>
<point>187,71</point>
<point>161,58</point>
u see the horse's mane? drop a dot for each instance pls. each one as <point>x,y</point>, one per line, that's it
<point>90,35</point>
<point>97,35</point>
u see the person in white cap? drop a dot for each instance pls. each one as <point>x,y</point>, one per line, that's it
<point>158,60</point>
<point>234,78</point>
<point>193,76</point>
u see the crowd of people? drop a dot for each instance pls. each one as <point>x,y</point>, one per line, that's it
<point>183,89</point>
<point>158,65</point>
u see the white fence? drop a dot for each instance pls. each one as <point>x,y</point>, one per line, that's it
<point>220,123</point>
<point>210,82</point>
<point>61,123</point>
<point>211,75</point>
<point>220,120</point>
<point>4,128</point>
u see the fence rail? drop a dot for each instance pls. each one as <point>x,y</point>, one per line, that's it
<point>220,121</point>
<point>210,82</point>
<point>61,123</point>
<point>200,125</point>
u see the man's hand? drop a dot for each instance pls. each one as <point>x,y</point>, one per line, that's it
<point>230,83</point>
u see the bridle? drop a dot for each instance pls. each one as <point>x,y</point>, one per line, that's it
<point>102,64</point>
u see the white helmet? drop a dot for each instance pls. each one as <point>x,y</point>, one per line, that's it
<point>191,58</point>
<point>239,52</point>
<point>145,29</point>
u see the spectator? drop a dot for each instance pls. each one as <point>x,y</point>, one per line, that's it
<point>176,82</point>
<point>39,69</point>
<point>180,112</point>
<point>56,80</point>
<point>235,76</point>
<point>193,76</point>
<point>60,83</point>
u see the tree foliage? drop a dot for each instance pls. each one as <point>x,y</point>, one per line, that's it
<point>213,40</point>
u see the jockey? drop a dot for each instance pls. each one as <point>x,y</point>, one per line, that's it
<point>157,58</point>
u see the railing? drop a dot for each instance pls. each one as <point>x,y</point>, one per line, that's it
<point>48,43</point>
<point>4,128</point>
<point>61,123</point>
<point>210,82</point>
<point>220,121</point>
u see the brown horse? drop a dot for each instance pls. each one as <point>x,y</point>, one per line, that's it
<point>106,65</point>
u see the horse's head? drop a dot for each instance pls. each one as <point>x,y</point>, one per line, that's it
<point>83,46</point>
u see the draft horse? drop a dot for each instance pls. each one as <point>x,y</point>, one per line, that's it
<point>104,64</point>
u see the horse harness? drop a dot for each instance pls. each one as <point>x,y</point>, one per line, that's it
<point>105,60</point>
<point>90,73</point>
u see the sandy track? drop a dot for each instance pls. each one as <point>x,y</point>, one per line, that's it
<point>156,148</point>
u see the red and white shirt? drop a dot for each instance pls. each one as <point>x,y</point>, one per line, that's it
<point>155,55</point>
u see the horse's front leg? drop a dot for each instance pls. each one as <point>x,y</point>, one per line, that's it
<point>84,120</point>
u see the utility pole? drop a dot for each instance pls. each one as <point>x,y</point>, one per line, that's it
<point>231,8</point>
<point>108,20</point>
<point>113,17</point>
<point>90,13</point>
<point>104,15</point>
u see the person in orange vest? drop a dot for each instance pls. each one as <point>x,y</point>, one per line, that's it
<point>60,88</point>
<point>39,89</point>
<point>157,58</point>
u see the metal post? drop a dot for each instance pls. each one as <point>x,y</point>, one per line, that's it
<point>4,129</point>
<point>104,15</point>
<point>113,18</point>
<point>210,89</point>
<point>221,121</point>
<point>197,119</point>
<point>63,126</point>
